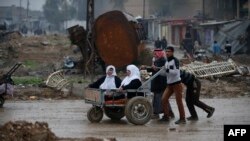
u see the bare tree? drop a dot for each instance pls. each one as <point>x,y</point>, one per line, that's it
<point>119,4</point>
<point>57,11</point>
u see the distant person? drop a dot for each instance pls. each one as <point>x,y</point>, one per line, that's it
<point>193,87</point>
<point>197,46</point>
<point>157,43</point>
<point>216,48</point>
<point>228,48</point>
<point>164,43</point>
<point>188,34</point>
<point>38,31</point>
<point>188,46</point>
<point>24,29</point>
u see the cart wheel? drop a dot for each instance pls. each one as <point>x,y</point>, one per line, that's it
<point>138,110</point>
<point>114,113</point>
<point>95,114</point>
<point>1,101</point>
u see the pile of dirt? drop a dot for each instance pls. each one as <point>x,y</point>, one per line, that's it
<point>226,87</point>
<point>25,131</point>
<point>38,131</point>
<point>242,59</point>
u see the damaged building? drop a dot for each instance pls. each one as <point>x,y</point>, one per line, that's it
<point>236,32</point>
<point>208,21</point>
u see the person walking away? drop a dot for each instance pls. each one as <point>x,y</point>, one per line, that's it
<point>193,87</point>
<point>164,43</point>
<point>158,43</point>
<point>197,46</point>
<point>188,46</point>
<point>216,48</point>
<point>174,86</point>
<point>228,48</point>
<point>158,84</point>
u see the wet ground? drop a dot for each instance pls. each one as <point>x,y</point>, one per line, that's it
<point>67,118</point>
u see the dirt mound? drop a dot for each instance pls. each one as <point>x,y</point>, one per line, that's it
<point>226,87</point>
<point>242,59</point>
<point>25,131</point>
<point>38,131</point>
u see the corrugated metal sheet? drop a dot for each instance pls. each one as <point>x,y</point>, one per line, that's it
<point>232,32</point>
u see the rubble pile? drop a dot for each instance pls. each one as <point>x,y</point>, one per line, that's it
<point>26,131</point>
<point>38,131</point>
<point>213,69</point>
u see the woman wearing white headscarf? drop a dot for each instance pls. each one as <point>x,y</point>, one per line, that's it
<point>108,82</point>
<point>131,81</point>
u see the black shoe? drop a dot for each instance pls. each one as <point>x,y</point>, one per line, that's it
<point>164,119</point>
<point>193,118</point>
<point>210,113</point>
<point>180,121</point>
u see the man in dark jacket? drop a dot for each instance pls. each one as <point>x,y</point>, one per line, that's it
<point>192,95</point>
<point>164,43</point>
<point>158,43</point>
<point>158,84</point>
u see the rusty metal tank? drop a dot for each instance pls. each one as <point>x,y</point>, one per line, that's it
<point>116,38</point>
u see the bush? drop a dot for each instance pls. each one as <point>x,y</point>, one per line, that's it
<point>31,64</point>
<point>27,80</point>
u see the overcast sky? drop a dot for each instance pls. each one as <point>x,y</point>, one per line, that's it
<point>34,4</point>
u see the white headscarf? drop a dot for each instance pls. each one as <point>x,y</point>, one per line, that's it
<point>109,82</point>
<point>134,74</point>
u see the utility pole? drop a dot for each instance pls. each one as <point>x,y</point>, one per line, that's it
<point>90,15</point>
<point>28,4</point>
<point>90,40</point>
<point>203,11</point>
<point>248,9</point>
<point>143,13</point>
<point>238,9</point>
<point>20,14</point>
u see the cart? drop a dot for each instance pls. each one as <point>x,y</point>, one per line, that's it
<point>137,110</point>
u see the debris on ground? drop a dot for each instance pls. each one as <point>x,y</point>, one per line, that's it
<point>26,131</point>
<point>38,131</point>
<point>213,69</point>
<point>44,55</point>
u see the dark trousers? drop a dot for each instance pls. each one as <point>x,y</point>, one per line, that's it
<point>192,98</point>
<point>157,106</point>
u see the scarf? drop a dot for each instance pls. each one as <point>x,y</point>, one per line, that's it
<point>134,74</point>
<point>109,82</point>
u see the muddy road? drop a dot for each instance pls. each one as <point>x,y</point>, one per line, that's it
<point>67,118</point>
